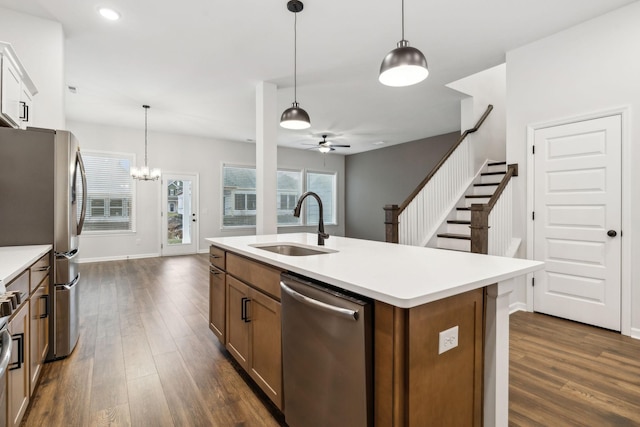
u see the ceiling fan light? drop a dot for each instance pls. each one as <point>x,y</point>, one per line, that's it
<point>403,66</point>
<point>324,149</point>
<point>295,117</point>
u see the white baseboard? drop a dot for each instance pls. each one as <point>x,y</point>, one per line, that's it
<point>118,258</point>
<point>517,306</point>
<point>635,333</point>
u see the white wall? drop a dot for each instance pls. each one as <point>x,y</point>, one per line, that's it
<point>39,44</point>
<point>485,88</point>
<point>183,154</point>
<point>586,69</point>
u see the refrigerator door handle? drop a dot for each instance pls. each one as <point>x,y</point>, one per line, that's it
<point>5,355</point>
<point>83,174</point>
<point>67,255</point>
<point>69,286</point>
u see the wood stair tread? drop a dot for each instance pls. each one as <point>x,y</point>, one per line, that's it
<point>454,236</point>
<point>496,163</point>
<point>493,173</point>
<point>478,196</point>
<point>463,209</point>
<point>487,184</point>
<point>458,221</point>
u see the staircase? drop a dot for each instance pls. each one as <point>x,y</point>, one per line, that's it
<point>455,234</point>
<point>458,208</point>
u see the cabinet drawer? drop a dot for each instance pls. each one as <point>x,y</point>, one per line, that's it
<point>21,284</point>
<point>260,276</point>
<point>39,271</point>
<point>217,257</point>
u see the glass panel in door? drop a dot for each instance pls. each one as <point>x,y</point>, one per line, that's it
<point>179,214</point>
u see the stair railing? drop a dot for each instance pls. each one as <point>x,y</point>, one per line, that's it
<point>420,215</point>
<point>495,215</point>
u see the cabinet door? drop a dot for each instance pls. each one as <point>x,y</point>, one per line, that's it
<point>265,362</point>
<point>39,331</point>
<point>18,389</point>
<point>10,93</point>
<point>217,302</point>
<point>237,321</point>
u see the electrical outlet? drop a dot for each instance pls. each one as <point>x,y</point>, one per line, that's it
<point>448,339</point>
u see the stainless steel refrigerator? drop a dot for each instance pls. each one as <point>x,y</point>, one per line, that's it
<point>42,188</point>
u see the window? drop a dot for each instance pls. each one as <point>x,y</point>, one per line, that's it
<point>324,185</point>
<point>289,190</point>
<point>96,207</point>
<point>109,192</point>
<point>239,196</point>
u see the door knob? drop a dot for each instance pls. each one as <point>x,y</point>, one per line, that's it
<point>612,233</point>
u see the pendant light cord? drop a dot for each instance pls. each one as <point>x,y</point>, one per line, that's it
<point>402,19</point>
<point>146,109</point>
<point>295,57</point>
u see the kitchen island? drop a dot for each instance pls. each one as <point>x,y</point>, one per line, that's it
<point>418,293</point>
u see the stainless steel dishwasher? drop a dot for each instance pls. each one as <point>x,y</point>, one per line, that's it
<point>326,352</point>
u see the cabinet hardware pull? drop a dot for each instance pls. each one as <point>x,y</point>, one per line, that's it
<point>46,306</point>
<point>25,111</point>
<point>44,268</point>
<point>243,309</point>
<point>18,364</point>
<point>216,272</point>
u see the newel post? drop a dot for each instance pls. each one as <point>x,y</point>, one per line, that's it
<point>391,223</point>
<point>479,229</point>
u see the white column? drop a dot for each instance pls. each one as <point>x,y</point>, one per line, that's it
<point>266,158</point>
<point>496,355</point>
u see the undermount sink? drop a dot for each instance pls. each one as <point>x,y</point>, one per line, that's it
<point>292,249</point>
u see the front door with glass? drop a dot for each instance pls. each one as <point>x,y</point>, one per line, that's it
<point>179,214</point>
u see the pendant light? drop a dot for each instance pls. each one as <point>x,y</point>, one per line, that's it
<point>295,117</point>
<point>404,65</point>
<point>144,173</point>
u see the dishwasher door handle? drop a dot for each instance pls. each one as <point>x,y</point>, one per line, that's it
<point>339,311</point>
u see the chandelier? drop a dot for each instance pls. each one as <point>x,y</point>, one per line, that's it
<point>144,173</point>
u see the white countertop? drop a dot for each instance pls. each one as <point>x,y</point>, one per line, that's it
<point>403,276</point>
<point>15,259</point>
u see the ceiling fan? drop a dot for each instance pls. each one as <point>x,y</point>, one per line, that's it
<point>325,146</point>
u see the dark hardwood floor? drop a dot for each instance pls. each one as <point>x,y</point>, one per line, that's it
<point>564,373</point>
<point>147,358</point>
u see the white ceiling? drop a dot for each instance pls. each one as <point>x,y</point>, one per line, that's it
<point>197,62</point>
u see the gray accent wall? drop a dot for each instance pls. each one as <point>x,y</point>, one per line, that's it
<point>387,176</point>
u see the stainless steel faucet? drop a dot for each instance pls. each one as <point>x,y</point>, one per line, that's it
<point>296,212</point>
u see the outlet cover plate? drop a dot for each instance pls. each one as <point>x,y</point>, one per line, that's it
<point>448,340</point>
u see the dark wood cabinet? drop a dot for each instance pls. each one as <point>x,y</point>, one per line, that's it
<point>217,302</point>
<point>237,324</point>
<point>18,381</point>
<point>244,312</point>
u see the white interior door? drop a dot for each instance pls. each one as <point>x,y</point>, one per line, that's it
<point>577,221</point>
<point>179,214</point>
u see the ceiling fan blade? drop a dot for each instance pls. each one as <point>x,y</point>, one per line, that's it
<point>340,145</point>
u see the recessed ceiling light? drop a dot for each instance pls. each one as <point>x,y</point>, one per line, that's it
<point>377,143</point>
<point>109,14</point>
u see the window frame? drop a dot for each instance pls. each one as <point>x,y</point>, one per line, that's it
<point>334,192</point>
<point>303,188</point>
<point>131,207</point>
